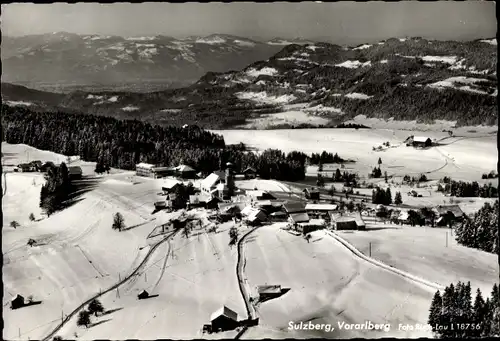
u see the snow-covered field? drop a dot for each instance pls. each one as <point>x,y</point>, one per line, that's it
<point>464,157</point>
<point>328,285</point>
<point>431,253</point>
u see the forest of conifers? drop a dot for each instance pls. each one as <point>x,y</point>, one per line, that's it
<point>124,143</point>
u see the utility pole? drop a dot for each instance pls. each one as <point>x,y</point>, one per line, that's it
<point>446,239</point>
<point>146,277</point>
<point>370,248</point>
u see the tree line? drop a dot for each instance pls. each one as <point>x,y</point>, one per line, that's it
<point>468,189</point>
<point>124,143</point>
<point>480,232</point>
<point>325,157</point>
<point>379,196</point>
<point>454,315</point>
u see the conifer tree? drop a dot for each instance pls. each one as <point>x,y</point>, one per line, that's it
<point>388,196</point>
<point>435,310</point>
<point>398,199</point>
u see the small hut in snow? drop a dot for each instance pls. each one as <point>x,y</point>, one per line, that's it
<point>144,294</point>
<point>17,302</point>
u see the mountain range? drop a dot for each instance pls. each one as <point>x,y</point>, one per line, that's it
<point>65,61</point>
<point>312,84</point>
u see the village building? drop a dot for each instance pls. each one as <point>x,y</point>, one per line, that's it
<point>209,184</point>
<point>268,291</point>
<point>278,216</point>
<point>45,167</point>
<point>254,216</point>
<point>185,172</point>
<point>17,302</point>
<point>161,172</point>
<point>294,207</point>
<point>421,141</point>
<point>403,217</point>
<point>144,169</point>
<point>75,172</point>
<point>297,218</point>
<point>311,193</point>
<point>320,210</point>
<point>37,164</point>
<point>260,195</point>
<point>143,294</point>
<point>170,185</point>
<point>311,225</point>
<point>24,168</point>
<point>250,173</point>
<point>349,222</point>
<point>223,319</point>
<point>344,223</point>
<point>203,200</point>
<point>448,214</point>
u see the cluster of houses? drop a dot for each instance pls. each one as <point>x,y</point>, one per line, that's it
<point>443,215</point>
<point>181,171</point>
<point>218,192</point>
<point>74,172</point>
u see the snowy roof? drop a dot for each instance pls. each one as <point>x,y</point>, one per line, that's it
<point>454,209</point>
<point>184,168</point>
<point>197,198</point>
<point>420,138</point>
<point>18,297</point>
<point>345,219</point>
<point>224,311</point>
<point>321,207</point>
<point>144,165</point>
<point>269,289</point>
<point>313,222</point>
<point>247,210</point>
<point>210,181</point>
<point>170,183</point>
<point>404,215</point>
<point>299,217</point>
<point>256,215</point>
<point>159,169</point>
<point>292,207</point>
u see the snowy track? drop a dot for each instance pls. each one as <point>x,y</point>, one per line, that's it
<point>243,282</point>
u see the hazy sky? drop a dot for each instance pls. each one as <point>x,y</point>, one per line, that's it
<point>340,22</point>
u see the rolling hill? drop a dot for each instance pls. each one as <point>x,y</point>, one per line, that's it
<point>317,84</point>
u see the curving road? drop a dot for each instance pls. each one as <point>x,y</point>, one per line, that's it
<point>124,280</point>
<point>242,281</point>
